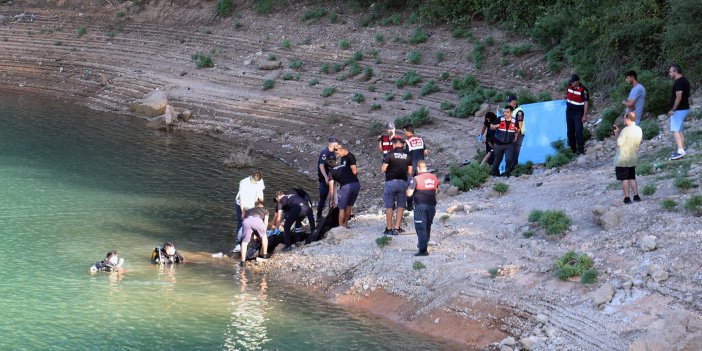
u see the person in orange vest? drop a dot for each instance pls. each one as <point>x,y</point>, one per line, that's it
<point>423,187</point>
<point>577,98</point>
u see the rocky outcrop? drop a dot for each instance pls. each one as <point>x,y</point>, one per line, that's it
<point>153,105</point>
<point>680,331</point>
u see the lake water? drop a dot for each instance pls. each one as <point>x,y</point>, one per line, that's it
<point>76,183</point>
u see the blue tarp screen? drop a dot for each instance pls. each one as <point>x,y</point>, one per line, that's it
<point>545,123</point>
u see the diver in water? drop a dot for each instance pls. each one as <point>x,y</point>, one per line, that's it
<point>166,254</point>
<point>111,263</point>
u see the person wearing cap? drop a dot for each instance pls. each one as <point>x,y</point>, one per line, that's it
<point>385,140</point>
<point>626,159</point>
<point>323,173</point>
<point>414,145</point>
<point>506,129</point>
<point>518,115</point>
<point>680,106</point>
<point>423,187</point>
<point>250,190</point>
<point>637,96</point>
<point>577,99</point>
<point>397,166</point>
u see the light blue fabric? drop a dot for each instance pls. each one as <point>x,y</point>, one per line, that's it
<point>638,94</point>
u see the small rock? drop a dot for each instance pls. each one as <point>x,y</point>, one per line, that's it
<point>541,318</point>
<point>648,243</point>
<point>185,115</point>
<point>455,208</point>
<point>659,276</point>
<point>452,190</point>
<point>662,118</point>
<point>582,160</point>
<point>609,220</point>
<point>529,343</point>
<point>599,210</point>
<point>604,294</point>
<point>509,341</point>
<point>437,320</point>
<point>506,348</point>
<point>270,65</point>
<point>550,332</point>
<point>219,130</point>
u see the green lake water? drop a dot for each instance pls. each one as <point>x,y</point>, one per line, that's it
<point>76,183</point>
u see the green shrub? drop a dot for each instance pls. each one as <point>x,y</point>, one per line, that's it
<point>344,44</point>
<point>410,78</point>
<point>313,82</point>
<point>120,14</point>
<point>314,15</point>
<point>445,105</point>
<point>649,189</point>
<point>524,96</point>
<point>650,128</point>
<point>333,17</point>
<point>444,76</point>
<point>500,187</point>
<point>669,204</point>
<point>520,50</point>
<point>354,69</point>
<point>375,107</point>
<point>268,84</point>
<point>389,96</point>
<point>683,183</point>
<point>467,83</point>
<point>418,36</point>
<point>81,31</point>
<point>407,95</point>
<point>523,168</point>
<point>375,127</point>
<point>469,177</point>
<point>296,64</point>
<point>478,55</point>
<point>263,7</point>
<point>328,91</point>
<point>357,56</point>
<point>417,118</point>
<point>358,97</point>
<point>285,44</point>
<point>694,205</point>
<point>414,57</point>
<point>380,38</point>
<point>589,276</point>
<point>367,73</point>
<point>440,56</point>
<point>544,96</point>
<point>429,88</point>
<point>644,169</point>
<point>535,216</point>
<point>383,241</point>
<point>563,156</point>
<point>371,88</point>
<point>337,67</point>
<point>225,8</point>
<point>572,265</point>
<point>287,76</point>
<point>528,234</point>
<point>325,68</point>
<point>494,272</point>
<point>555,222</point>
<point>202,60</point>
<point>416,265</point>
<point>272,57</point>
<point>604,129</point>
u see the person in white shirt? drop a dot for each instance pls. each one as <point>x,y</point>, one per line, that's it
<point>250,191</point>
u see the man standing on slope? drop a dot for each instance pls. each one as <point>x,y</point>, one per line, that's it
<point>518,115</point>
<point>414,146</point>
<point>397,166</point>
<point>577,98</point>
<point>423,187</point>
<point>680,101</point>
<point>323,173</point>
<point>637,96</point>
<point>628,141</point>
<point>506,130</point>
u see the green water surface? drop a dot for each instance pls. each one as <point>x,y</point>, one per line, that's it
<point>76,183</point>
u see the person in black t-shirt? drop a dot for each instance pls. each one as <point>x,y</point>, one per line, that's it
<point>397,166</point>
<point>349,188</point>
<point>327,153</point>
<point>292,209</point>
<point>680,106</point>
<point>490,117</point>
<point>346,158</point>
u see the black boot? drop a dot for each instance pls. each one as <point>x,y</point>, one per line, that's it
<point>319,215</point>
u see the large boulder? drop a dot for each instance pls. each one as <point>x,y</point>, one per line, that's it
<point>648,243</point>
<point>603,295</point>
<point>682,330</point>
<point>270,65</point>
<point>607,220</point>
<point>338,234</point>
<point>153,105</point>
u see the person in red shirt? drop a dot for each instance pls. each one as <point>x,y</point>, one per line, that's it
<point>385,140</point>
<point>577,106</point>
<point>423,187</point>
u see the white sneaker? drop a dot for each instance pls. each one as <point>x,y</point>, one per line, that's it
<point>237,248</point>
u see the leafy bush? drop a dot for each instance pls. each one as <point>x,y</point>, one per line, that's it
<point>418,36</point>
<point>669,204</point>
<point>500,187</point>
<point>650,128</point>
<point>383,241</point>
<point>296,64</point>
<point>120,14</point>
<point>440,56</point>
<point>354,69</point>
<point>407,95</point>
<point>535,216</point>
<point>494,272</point>
<point>314,14</point>
<point>467,83</point>
<point>268,84</point>
<point>375,107</point>
<point>272,57</point>
<point>683,183</point>
<point>358,97</point>
<point>337,67</point>
<point>572,265</point>
<point>604,129</point>
<point>681,19</point>
<point>478,55</point>
<point>367,73</point>
<point>225,8</point>
<point>564,155</point>
<point>523,168</point>
<point>544,96</point>
<point>417,118</point>
<point>285,44</point>
<point>325,68</point>
<point>694,205</point>
<point>287,76</point>
<point>357,55</point>
<point>81,31</point>
<point>313,82</point>
<point>328,91</point>
<point>416,265</point>
<point>589,276</point>
<point>644,169</point>
<point>371,88</point>
<point>394,19</point>
<point>389,96</point>
<point>445,105</point>
<point>414,57</point>
<point>344,44</point>
<point>649,189</point>
<point>528,234</point>
<point>380,38</point>
<point>263,7</point>
<point>524,96</point>
<point>410,78</point>
<point>444,76</point>
<point>202,60</point>
<point>375,127</point>
<point>555,222</point>
<point>469,177</point>
<point>429,88</point>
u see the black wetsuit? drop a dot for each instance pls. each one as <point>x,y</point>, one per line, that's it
<point>160,256</point>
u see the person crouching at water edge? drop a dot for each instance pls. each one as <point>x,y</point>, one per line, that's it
<point>111,263</point>
<point>292,209</point>
<point>256,220</point>
<point>424,187</point>
<point>166,254</point>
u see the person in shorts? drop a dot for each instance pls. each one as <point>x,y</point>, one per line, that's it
<point>349,188</point>
<point>397,166</point>
<point>680,106</point>
<point>626,159</point>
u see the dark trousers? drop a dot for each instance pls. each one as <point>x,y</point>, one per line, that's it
<point>239,218</point>
<point>410,199</point>
<point>500,152</point>
<point>574,121</point>
<point>295,216</point>
<point>323,194</point>
<point>517,149</point>
<point>423,218</point>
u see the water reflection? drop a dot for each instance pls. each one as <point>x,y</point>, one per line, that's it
<point>248,312</point>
